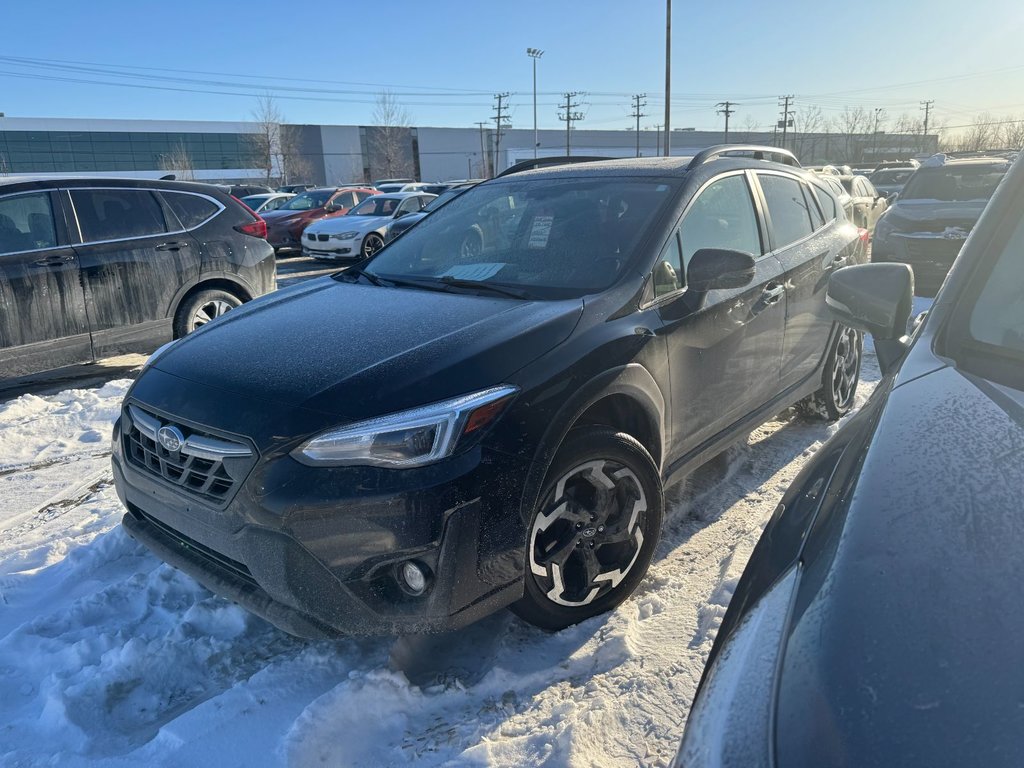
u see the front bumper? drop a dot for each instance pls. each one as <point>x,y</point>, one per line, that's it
<point>316,551</point>
<point>332,250</point>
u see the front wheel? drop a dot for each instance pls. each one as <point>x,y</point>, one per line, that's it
<point>371,244</point>
<point>592,536</point>
<point>839,382</point>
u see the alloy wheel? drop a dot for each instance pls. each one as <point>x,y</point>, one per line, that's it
<point>208,311</point>
<point>846,367</point>
<point>590,535</point>
<point>371,245</point>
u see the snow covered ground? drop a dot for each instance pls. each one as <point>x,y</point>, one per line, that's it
<point>109,656</point>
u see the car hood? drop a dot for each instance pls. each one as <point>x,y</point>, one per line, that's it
<point>348,223</point>
<point>907,630</point>
<point>356,351</point>
<point>282,217</point>
<point>933,215</point>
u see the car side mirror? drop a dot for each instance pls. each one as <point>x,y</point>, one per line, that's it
<point>876,299</point>
<point>332,207</point>
<point>891,197</point>
<point>717,268</point>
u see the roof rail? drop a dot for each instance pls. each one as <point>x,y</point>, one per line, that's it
<point>773,154</point>
<point>545,162</point>
<point>982,153</point>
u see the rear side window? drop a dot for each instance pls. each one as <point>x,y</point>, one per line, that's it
<point>26,223</point>
<point>722,216</point>
<point>114,214</point>
<point>827,202</point>
<point>812,207</point>
<point>787,208</point>
<point>191,210</point>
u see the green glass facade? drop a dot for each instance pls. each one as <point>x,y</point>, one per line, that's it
<point>84,152</point>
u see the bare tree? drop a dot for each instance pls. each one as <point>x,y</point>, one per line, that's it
<point>178,162</point>
<point>1011,135</point>
<point>390,143</point>
<point>294,165</point>
<point>808,124</point>
<point>853,123</point>
<point>750,127</point>
<point>265,141</point>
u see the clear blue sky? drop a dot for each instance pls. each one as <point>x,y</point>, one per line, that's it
<point>446,58</point>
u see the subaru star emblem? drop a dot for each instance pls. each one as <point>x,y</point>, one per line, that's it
<point>170,438</point>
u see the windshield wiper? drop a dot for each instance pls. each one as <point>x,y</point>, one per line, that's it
<point>483,285</point>
<point>358,270</point>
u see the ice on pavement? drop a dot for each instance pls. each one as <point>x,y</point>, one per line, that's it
<point>110,657</point>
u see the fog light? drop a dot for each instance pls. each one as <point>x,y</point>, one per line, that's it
<point>415,577</point>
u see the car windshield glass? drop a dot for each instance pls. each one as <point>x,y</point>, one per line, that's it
<point>443,198</point>
<point>891,177</point>
<point>997,318</point>
<point>307,201</point>
<point>954,184</point>
<point>255,201</point>
<point>550,237</point>
<point>376,206</point>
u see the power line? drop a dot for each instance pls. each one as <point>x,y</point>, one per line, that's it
<point>727,110</point>
<point>569,117</point>
<point>637,105</point>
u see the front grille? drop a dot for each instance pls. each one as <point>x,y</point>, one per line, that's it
<point>213,557</point>
<point>939,251</point>
<point>323,238</point>
<point>205,465</point>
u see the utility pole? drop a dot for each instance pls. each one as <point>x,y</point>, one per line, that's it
<point>501,120</point>
<point>657,133</point>
<point>927,107</point>
<point>668,77</point>
<point>787,116</point>
<point>727,110</point>
<point>874,135</point>
<point>638,114</point>
<point>534,53</point>
<point>570,117</point>
<point>484,170</point>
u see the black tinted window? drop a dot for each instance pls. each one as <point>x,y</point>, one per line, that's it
<point>954,183</point>
<point>191,210</point>
<point>816,218</point>
<point>722,216</point>
<point>787,208</point>
<point>111,214</point>
<point>26,223</point>
<point>828,203</point>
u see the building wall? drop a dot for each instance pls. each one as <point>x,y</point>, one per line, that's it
<point>342,155</point>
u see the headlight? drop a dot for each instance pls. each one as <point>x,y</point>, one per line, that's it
<point>410,438</point>
<point>883,228</point>
<point>344,236</point>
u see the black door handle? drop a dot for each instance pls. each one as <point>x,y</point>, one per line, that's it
<point>172,246</point>
<point>53,261</point>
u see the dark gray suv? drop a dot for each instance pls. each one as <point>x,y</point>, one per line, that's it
<point>91,268</point>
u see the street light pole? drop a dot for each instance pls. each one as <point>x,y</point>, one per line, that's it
<point>668,77</point>
<point>534,53</point>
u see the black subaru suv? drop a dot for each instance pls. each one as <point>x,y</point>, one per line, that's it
<point>91,268</point>
<point>436,434</point>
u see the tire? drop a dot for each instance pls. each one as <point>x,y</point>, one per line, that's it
<point>589,544</point>
<point>839,380</point>
<point>200,308</point>
<point>371,244</point>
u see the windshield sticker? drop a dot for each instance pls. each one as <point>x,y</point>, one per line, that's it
<point>540,231</point>
<point>473,271</point>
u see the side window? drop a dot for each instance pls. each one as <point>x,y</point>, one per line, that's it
<point>786,207</point>
<point>817,221</point>
<point>360,196</point>
<point>113,214</point>
<point>668,271</point>
<point>722,216</point>
<point>26,223</point>
<point>869,189</point>
<point>191,210</point>
<point>827,202</point>
<point>409,205</point>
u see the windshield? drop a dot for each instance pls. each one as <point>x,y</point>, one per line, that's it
<point>307,201</point>
<point>550,237</point>
<point>376,206</point>
<point>891,177</point>
<point>997,319</point>
<point>444,197</point>
<point>954,184</point>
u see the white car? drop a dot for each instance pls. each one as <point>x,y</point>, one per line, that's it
<point>412,186</point>
<point>360,233</point>
<point>270,201</point>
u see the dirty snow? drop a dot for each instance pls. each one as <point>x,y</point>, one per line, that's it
<point>108,656</point>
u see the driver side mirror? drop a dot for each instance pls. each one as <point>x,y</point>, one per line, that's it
<point>716,268</point>
<point>332,207</point>
<point>876,299</point>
